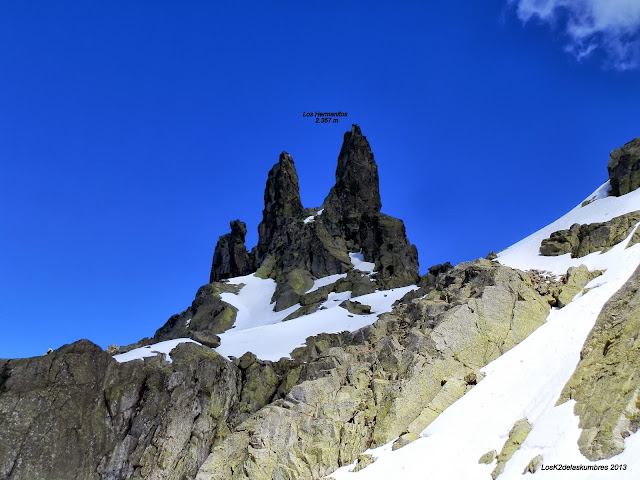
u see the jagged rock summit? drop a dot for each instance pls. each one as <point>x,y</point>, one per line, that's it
<point>297,245</point>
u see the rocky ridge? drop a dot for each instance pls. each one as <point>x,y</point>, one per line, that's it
<point>199,415</point>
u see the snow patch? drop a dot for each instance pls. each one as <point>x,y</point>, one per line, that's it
<point>324,281</point>
<point>152,350</point>
<point>253,302</point>
<point>357,260</point>
<point>312,218</point>
<point>272,341</point>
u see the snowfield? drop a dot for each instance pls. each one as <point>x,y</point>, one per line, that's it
<point>262,331</point>
<point>277,339</point>
<point>163,348</point>
<point>527,380</point>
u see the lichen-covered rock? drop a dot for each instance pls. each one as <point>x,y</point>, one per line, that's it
<point>624,168</point>
<point>231,258</point>
<point>501,308</point>
<point>517,436</point>
<point>288,293</point>
<point>604,385</point>
<point>561,242</point>
<point>207,339</point>
<point>359,390</point>
<point>404,440</point>
<point>363,461</point>
<point>534,465</point>
<point>575,281</point>
<point>581,240</point>
<point>488,457</point>
<point>207,314</point>
<point>356,308</point>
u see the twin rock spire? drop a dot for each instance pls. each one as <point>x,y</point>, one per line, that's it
<point>317,241</point>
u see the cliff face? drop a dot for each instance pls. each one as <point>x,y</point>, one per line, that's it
<point>79,414</point>
<point>197,414</point>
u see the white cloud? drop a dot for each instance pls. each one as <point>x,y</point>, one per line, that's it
<point>611,26</point>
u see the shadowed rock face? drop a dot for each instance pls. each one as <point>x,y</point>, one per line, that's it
<point>282,204</point>
<point>357,185</point>
<point>231,258</point>
<point>624,168</point>
<point>296,245</point>
<point>77,414</point>
<point>348,221</point>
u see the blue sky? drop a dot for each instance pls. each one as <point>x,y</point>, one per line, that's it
<point>131,133</point>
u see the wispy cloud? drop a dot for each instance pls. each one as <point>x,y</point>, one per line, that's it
<point>609,26</point>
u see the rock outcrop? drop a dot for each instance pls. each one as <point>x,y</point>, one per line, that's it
<point>358,390</point>
<point>282,207</point>
<point>624,168</point>
<point>581,240</point>
<point>357,185</point>
<point>230,258</point>
<point>517,436</point>
<point>207,314</point>
<point>559,291</point>
<point>605,383</point>
<point>78,414</point>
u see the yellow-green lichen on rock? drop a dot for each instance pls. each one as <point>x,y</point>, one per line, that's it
<point>388,380</point>
<point>605,383</point>
<point>483,328</point>
<point>517,436</point>
<point>576,279</point>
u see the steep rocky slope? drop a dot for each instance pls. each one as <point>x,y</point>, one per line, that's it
<point>355,357</point>
<point>526,415</point>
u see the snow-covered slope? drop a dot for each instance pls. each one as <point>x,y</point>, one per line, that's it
<point>262,331</point>
<point>270,338</point>
<point>526,381</point>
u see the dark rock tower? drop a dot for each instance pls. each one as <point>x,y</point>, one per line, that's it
<point>624,168</point>
<point>230,258</point>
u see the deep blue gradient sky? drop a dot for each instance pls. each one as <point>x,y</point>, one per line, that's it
<point>131,133</point>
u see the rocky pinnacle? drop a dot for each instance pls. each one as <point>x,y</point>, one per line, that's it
<point>357,185</point>
<point>296,246</point>
<point>230,258</point>
<point>281,202</point>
